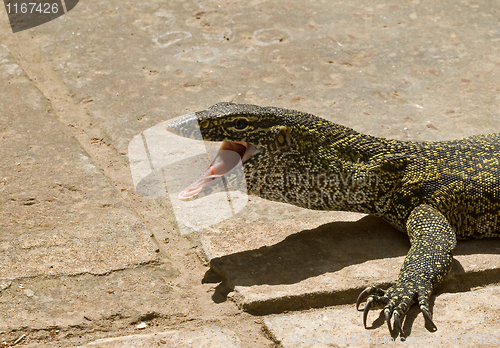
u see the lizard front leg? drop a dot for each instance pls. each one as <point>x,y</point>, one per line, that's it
<point>426,264</point>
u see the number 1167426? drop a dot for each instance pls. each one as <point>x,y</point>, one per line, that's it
<point>32,7</point>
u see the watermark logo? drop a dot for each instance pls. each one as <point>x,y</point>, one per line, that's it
<point>206,183</point>
<point>366,339</point>
<point>26,14</point>
<point>312,190</point>
<point>164,164</point>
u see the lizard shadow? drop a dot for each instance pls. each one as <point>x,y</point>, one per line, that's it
<point>325,249</point>
<point>330,248</point>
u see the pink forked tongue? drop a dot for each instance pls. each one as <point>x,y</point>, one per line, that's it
<point>229,155</point>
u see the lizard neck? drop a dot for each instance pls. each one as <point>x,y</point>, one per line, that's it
<point>329,167</point>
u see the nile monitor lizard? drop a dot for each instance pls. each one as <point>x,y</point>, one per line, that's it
<point>435,192</point>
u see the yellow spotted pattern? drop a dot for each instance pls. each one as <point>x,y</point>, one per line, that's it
<point>436,192</point>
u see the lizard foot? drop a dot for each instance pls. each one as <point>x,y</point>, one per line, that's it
<point>396,301</point>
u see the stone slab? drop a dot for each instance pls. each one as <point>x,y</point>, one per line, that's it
<point>467,319</point>
<point>60,214</point>
<point>82,303</point>
<point>405,71</point>
<point>62,222</point>
<point>278,258</point>
<point>209,337</point>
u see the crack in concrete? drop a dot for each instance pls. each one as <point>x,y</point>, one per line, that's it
<point>75,275</point>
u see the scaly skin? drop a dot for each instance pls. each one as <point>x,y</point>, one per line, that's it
<point>435,192</point>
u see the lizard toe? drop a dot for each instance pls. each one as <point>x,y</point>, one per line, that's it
<point>375,298</point>
<point>368,292</point>
<point>400,297</point>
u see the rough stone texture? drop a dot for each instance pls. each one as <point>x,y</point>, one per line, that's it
<point>463,320</point>
<point>85,301</point>
<point>209,337</point>
<point>407,71</point>
<point>62,225</point>
<point>297,259</point>
<point>411,71</point>
<point>60,214</point>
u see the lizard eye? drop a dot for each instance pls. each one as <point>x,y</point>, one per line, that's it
<point>240,123</point>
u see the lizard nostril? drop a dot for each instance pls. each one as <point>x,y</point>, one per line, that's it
<point>204,123</point>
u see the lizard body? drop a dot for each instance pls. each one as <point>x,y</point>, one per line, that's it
<point>435,192</point>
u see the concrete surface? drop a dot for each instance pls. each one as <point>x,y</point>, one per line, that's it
<point>57,207</point>
<point>84,258</point>
<point>463,320</point>
<point>211,337</point>
<point>312,259</point>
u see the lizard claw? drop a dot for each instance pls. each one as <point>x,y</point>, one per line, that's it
<point>373,296</point>
<point>368,305</point>
<point>361,298</point>
<point>397,324</point>
<point>428,318</point>
<point>368,292</point>
<point>388,316</point>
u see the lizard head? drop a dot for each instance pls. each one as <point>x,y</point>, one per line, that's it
<point>270,142</point>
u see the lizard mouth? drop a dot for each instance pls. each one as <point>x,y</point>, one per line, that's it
<point>228,157</point>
